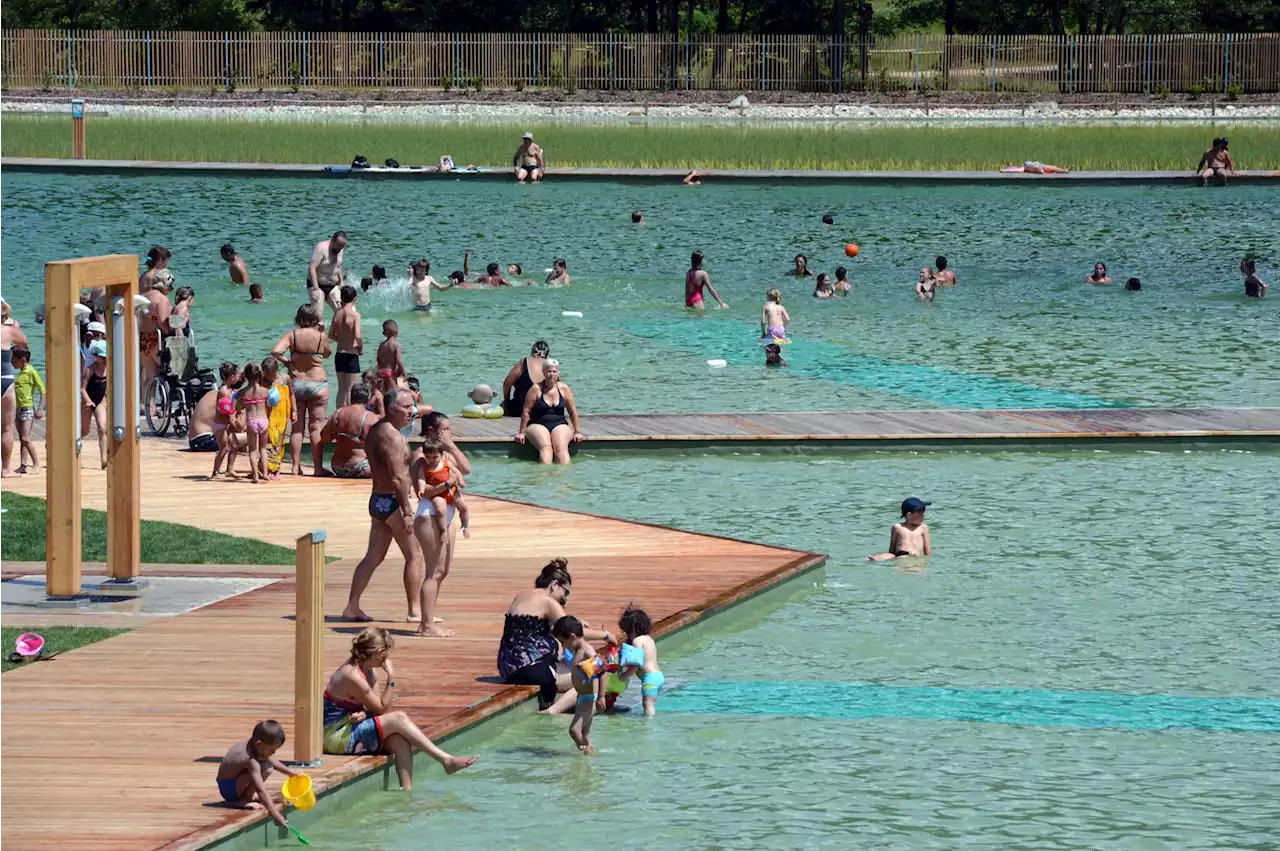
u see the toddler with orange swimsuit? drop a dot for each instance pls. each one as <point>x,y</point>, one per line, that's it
<point>443,503</point>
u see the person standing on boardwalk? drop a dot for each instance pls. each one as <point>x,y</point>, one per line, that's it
<point>324,274</point>
<point>529,161</point>
<point>345,331</point>
<point>390,506</point>
<point>307,347</point>
<point>235,265</point>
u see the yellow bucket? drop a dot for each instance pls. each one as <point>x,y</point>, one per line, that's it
<point>297,791</point>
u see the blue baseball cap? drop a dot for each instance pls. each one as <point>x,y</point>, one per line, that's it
<point>912,503</point>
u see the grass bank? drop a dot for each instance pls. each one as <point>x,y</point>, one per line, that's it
<point>57,639</point>
<point>162,543</point>
<point>822,146</point>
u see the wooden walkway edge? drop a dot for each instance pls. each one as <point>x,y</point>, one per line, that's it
<point>1075,178</point>
<point>877,427</point>
<point>197,682</point>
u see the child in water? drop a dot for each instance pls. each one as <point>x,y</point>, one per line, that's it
<point>390,355</point>
<point>774,319</point>
<point>244,770</point>
<point>420,284</point>
<point>911,536</point>
<point>442,498</point>
<point>822,287</point>
<point>773,355</point>
<point>925,286</point>
<point>587,670</point>
<point>635,626</point>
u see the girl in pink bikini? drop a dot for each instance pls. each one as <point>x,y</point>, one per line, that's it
<point>694,280</point>
<point>223,423</point>
<point>254,400</point>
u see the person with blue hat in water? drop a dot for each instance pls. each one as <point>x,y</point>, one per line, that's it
<point>911,536</point>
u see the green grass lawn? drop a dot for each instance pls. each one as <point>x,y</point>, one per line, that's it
<point>824,146</point>
<point>57,639</point>
<point>23,539</point>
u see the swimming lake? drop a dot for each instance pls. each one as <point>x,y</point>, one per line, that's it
<point>1089,659</point>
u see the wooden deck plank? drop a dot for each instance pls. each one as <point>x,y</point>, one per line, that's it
<point>67,723</point>
<point>924,425</point>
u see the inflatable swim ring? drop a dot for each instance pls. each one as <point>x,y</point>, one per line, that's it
<point>482,412</point>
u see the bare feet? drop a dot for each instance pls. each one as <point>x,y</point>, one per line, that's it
<point>357,615</point>
<point>434,631</point>
<point>322,473</point>
<point>415,617</point>
<point>7,474</point>
<point>252,805</point>
<point>454,764</point>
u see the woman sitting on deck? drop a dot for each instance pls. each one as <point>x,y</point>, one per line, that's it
<point>529,655</point>
<point>548,412</point>
<point>357,719</point>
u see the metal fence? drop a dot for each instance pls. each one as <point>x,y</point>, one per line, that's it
<point>71,59</point>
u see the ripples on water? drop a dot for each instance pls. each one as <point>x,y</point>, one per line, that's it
<point>1126,572</point>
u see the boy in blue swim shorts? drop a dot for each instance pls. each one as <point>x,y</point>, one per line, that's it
<point>635,625</point>
<point>244,770</point>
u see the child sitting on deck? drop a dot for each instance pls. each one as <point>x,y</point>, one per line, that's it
<point>244,770</point>
<point>910,537</point>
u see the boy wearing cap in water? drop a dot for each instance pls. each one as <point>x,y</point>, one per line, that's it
<point>911,536</point>
<point>244,770</point>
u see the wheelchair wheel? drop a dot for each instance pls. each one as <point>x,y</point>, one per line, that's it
<point>158,405</point>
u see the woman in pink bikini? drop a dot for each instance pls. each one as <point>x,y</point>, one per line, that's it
<point>694,280</point>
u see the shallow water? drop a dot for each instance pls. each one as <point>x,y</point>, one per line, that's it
<point>1021,330</point>
<point>1089,660</point>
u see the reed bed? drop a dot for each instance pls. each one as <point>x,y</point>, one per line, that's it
<point>821,146</point>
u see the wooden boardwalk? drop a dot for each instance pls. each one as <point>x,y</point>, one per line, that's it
<point>1076,178</point>
<point>875,427</point>
<point>114,746</point>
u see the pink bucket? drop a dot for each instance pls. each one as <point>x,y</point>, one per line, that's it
<point>30,644</point>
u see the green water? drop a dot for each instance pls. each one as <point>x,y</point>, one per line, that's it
<point>1089,659</point>
<point>1118,598</point>
<point>1021,330</point>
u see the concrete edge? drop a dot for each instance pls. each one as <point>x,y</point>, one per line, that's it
<point>90,166</point>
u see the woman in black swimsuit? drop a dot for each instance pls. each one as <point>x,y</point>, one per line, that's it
<point>548,410</point>
<point>526,373</point>
<point>93,394</point>
<point>528,654</point>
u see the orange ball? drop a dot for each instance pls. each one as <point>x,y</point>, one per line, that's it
<point>851,250</point>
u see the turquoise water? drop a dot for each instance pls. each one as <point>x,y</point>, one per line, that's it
<point>1088,661</point>
<point>1019,331</point>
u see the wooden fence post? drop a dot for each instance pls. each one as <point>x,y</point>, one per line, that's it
<point>308,716</point>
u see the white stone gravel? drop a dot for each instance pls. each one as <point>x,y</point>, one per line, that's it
<point>1042,112</point>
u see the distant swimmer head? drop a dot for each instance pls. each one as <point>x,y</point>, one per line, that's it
<point>540,349</point>
<point>940,262</point>
<point>228,252</point>
<point>828,219</point>
<point>1133,284</point>
<point>492,269</point>
<point>514,269</point>
<point>802,264</point>
<point>379,273</point>
<point>637,217</point>
<point>457,276</point>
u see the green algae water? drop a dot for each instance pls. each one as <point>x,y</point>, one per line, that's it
<point>1020,331</point>
<point>1088,660</point>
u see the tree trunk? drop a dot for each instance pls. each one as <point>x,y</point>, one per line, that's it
<point>653,16</point>
<point>346,15</point>
<point>837,46</point>
<point>950,16</point>
<point>865,14</point>
<point>722,32</point>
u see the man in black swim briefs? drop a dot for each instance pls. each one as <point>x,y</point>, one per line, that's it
<point>391,507</point>
<point>325,272</point>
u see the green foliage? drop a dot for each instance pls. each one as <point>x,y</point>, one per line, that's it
<point>1234,91</point>
<point>1195,90</point>
<point>704,146</point>
<point>162,543</point>
<point>295,76</point>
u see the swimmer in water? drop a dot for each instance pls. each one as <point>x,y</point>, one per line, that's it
<point>801,269</point>
<point>235,265</point>
<point>944,277</point>
<point>774,319</point>
<point>694,280</point>
<point>559,276</point>
<point>1254,286</point>
<point>773,355</point>
<point>925,286</point>
<point>692,179</point>
<point>1099,275</point>
<point>822,287</point>
<point>911,536</point>
<point>843,285</point>
<point>255,294</point>
<point>637,217</point>
<point>420,284</point>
